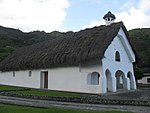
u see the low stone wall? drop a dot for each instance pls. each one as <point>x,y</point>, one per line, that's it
<point>88,99</point>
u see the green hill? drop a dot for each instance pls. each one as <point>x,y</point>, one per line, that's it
<point>140,39</point>
<point>10,39</point>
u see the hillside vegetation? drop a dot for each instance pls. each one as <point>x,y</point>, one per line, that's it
<point>10,39</point>
<point>140,38</point>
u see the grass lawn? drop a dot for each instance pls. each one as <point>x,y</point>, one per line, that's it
<point>3,87</point>
<point>49,93</point>
<point>40,92</point>
<point>21,109</point>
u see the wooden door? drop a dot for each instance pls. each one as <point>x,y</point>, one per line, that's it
<point>45,79</point>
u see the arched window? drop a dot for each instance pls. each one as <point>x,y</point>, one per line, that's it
<point>95,78</point>
<point>117,56</point>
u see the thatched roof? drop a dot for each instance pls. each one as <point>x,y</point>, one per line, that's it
<point>83,46</point>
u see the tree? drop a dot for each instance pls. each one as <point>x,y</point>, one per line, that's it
<point>138,73</point>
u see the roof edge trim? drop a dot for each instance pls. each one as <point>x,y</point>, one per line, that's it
<point>128,49</point>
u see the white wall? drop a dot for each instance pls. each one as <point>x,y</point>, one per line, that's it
<point>65,78</point>
<point>21,78</point>
<point>86,70</point>
<point>72,79</point>
<point>144,80</point>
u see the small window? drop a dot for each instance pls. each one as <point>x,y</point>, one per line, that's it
<point>117,56</point>
<point>95,78</point>
<point>148,80</point>
<point>13,73</point>
<point>108,19</point>
<point>30,73</point>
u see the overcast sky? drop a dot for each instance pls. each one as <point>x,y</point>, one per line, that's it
<point>71,15</point>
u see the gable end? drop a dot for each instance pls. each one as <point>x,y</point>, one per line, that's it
<point>123,38</point>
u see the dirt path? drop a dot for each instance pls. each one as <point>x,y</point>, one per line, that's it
<point>93,107</point>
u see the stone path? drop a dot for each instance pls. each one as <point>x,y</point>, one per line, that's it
<point>139,94</point>
<point>93,107</point>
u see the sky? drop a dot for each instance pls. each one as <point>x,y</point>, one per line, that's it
<point>71,15</point>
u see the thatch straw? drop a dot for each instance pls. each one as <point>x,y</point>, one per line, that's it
<point>83,46</point>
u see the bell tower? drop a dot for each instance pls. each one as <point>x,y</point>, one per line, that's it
<point>109,18</point>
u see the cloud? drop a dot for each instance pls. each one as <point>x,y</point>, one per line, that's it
<point>144,5</point>
<point>132,16</point>
<point>29,15</point>
<point>94,23</point>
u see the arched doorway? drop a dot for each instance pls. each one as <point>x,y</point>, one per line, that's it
<point>120,80</point>
<point>108,80</point>
<point>132,81</point>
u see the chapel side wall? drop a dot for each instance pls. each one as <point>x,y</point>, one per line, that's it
<point>65,79</point>
<point>86,70</point>
<point>21,79</point>
<point>72,79</point>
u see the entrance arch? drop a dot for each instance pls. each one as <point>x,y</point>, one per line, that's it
<point>120,80</point>
<point>131,78</point>
<point>109,85</point>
